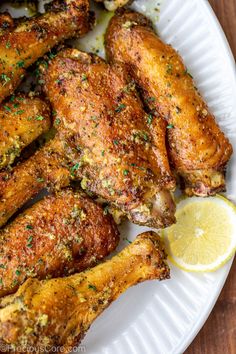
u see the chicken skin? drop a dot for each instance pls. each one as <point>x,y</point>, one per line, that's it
<point>57,313</point>
<point>102,118</point>
<point>60,235</point>
<point>102,140</point>
<point>198,149</point>
<point>30,39</point>
<point>22,120</point>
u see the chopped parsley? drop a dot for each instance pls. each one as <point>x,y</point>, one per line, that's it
<point>7,108</point>
<point>39,118</point>
<point>125,172</point>
<point>170,126</point>
<point>75,167</point>
<point>57,121</point>
<point>20,64</point>
<point>5,78</point>
<point>29,227</point>
<point>18,272</point>
<point>120,108</point>
<point>93,287</point>
<point>20,111</point>
<point>40,179</point>
<point>29,242</point>
<point>149,119</point>
<point>84,77</point>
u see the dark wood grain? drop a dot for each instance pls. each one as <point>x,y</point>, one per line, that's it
<point>226,12</point>
<point>218,335</point>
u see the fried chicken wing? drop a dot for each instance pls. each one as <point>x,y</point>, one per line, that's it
<point>60,235</point>
<point>198,149</point>
<point>22,120</point>
<point>47,167</point>
<point>112,5</point>
<point>102,117</point>
<point>32,38</point>
<point>102,140</point>
<point>57,313</point>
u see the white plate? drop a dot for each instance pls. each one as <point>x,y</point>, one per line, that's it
<point>164,317</point>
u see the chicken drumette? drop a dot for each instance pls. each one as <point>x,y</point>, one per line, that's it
<point>22,120</point>
<point>21,44</point>
<point>60,235</point>
<point>57,313</point>
<point>198,149</point>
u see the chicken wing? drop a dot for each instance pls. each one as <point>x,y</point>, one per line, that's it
<point>32,38</point>
<point>57,313</point>
<point>58,236</point>
<point>47,167</point>
<point>22,120</point>
<point>102,117</point>
<point>198,149</point>
<point>102,140</point>
<point>112,5</point>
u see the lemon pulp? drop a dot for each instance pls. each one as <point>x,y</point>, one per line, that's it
<point>204,236</point>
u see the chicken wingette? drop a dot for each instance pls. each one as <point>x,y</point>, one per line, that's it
<point>198,149</point>
<point>57,313</point>
<point>103,139</point>
<point>60,235</point>
<point>47,167</point>
<point>31,38</point>
<point>112,5</point>
<point>22,120</point>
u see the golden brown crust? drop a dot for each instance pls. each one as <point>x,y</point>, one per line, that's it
<point>198,149</point>
<point>32,38</point>
<point>58,312</point>
<point>102,139</point>
<point>101,114</point>
<point>22,120</point>
<point>60,235</point>
<point>48,166</point>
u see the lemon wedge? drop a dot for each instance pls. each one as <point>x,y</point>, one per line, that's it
<point>204,236</point>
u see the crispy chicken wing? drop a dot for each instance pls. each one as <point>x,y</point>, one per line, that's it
<point>22,120</point>
<point>198,149</point>
<point>59,235</point>
<point>47,167</point>
<point>102,140</point>
<point>112,5</point>
<point>32,38</point>
<point>57,313</point>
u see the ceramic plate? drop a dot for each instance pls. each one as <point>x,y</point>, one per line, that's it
<point>164,317</point>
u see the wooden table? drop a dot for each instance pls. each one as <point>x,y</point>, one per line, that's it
<point>218,336</point>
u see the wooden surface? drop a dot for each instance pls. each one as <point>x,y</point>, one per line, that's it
<point>218,336</point>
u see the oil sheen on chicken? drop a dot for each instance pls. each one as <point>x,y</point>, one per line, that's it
<point>198,149</point>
